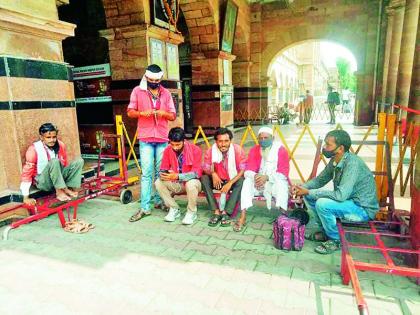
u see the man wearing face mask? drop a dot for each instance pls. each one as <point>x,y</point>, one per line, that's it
<point>180,172</point>
<point>266,174</point>
<point>352,199</point>
<point>152,105</point>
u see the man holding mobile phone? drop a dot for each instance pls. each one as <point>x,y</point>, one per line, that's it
<point>152,105</point>
<point>180,172</point>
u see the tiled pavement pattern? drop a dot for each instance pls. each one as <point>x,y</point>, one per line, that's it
<point>153,267</point>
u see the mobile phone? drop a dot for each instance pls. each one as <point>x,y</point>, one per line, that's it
<point>164,171</point>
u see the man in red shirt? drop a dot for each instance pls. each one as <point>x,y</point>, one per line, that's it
<point>180,172</point>
<point>47,167</point>
<point>152,105</point>
<point>224,167</point>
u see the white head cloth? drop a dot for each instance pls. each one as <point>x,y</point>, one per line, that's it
<point>151,75</point>
<point>265,130</point>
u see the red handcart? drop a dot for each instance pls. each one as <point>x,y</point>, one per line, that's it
<point>97,186</point>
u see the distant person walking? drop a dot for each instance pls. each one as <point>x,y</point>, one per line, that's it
<point>333,99</point>
<point>345,97</point>
<point>308,106</point>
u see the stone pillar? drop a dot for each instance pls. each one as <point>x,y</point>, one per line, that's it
<point>388,42</point>
<point>394,57</point>
<point>35,84</point>
<point>414,101</point>
<point>212,90</point>
<point>408,44</point>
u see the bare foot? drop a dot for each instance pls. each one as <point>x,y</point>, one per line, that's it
<point>61,195</point>
<point>71,193</point>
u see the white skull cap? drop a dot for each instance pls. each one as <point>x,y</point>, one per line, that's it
<point>265,130</point>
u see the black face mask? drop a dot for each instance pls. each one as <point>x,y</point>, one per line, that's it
<point>153,85</point>
<point>329,154</point>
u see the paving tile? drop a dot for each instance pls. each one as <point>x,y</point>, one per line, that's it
<point>250,246</point>
<point>274,269</point>
<point>251,255</point>
<point>211,259</point>
<point>221,242</point>
<point>220,234</point>
<point>240,237</point>
<point>205,249</point>
<point>228,252</point>
<point>184,255</point>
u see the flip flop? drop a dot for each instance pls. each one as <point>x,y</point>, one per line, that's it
<point>225,220</point>
<point>237,227</point>
<point>138,216</point>
<point>214,220</point>
<point>328,247</point>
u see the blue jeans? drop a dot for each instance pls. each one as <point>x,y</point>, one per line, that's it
<point>150,159</point>
<point>327,211</point>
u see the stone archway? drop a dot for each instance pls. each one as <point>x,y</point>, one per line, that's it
<point>353,25</point>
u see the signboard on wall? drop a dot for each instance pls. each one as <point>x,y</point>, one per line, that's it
<point>92,84</point>
<point>172,61</point>
<point>157,53</point>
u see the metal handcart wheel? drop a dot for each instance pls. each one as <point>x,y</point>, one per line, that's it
<point>126,196</point>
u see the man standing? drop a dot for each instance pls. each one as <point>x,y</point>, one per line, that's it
<point>152,105</point>
<point>47,167</point>
<point>353,197</point>
<point>180,172</point>
<point>266,174</point>
<point>308,105</point>
<point>224,167</point>
<point>333,99</point>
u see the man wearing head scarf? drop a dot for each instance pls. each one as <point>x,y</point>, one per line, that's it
<point>152,105</point>
<point>46,166</point>
<point>266,174</point>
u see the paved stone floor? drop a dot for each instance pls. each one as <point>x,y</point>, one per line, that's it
<point>153,267</point>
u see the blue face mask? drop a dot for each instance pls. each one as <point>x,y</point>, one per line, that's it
<point>266,143</point>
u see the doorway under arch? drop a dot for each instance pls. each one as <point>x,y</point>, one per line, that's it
<point>313,68</point>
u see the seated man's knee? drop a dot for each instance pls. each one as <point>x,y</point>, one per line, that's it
<point>79,161</point>
<point>321,204</point>
<point>159,184</point>
<point>192,185</point>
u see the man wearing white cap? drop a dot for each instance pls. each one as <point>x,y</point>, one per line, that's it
<point>266,174</point>
<point>152,105</point>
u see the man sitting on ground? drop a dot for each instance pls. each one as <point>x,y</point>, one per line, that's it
<point>47,168</point>
<point>224,166</point>
<point>180,172</point>
<point>266,174</point>
<point>354,195</point>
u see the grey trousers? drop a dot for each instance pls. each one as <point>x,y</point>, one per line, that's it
<point>55,176</point>
<point>191,187</point>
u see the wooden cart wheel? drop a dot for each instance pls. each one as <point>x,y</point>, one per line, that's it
<point>126,196</point>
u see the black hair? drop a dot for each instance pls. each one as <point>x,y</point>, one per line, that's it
<point>176,134</point>
<point>341,137</point>
<point>223,131</point>
<point>154,68</point>
<point>47,127</point>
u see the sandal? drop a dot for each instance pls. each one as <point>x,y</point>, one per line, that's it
<point>318,236</point>
<point>328,247</point>
<point>214,220</point>
<point>237,227</point>
<point>139,215</point>
<point>78,227</point>
<point>225,220</point>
